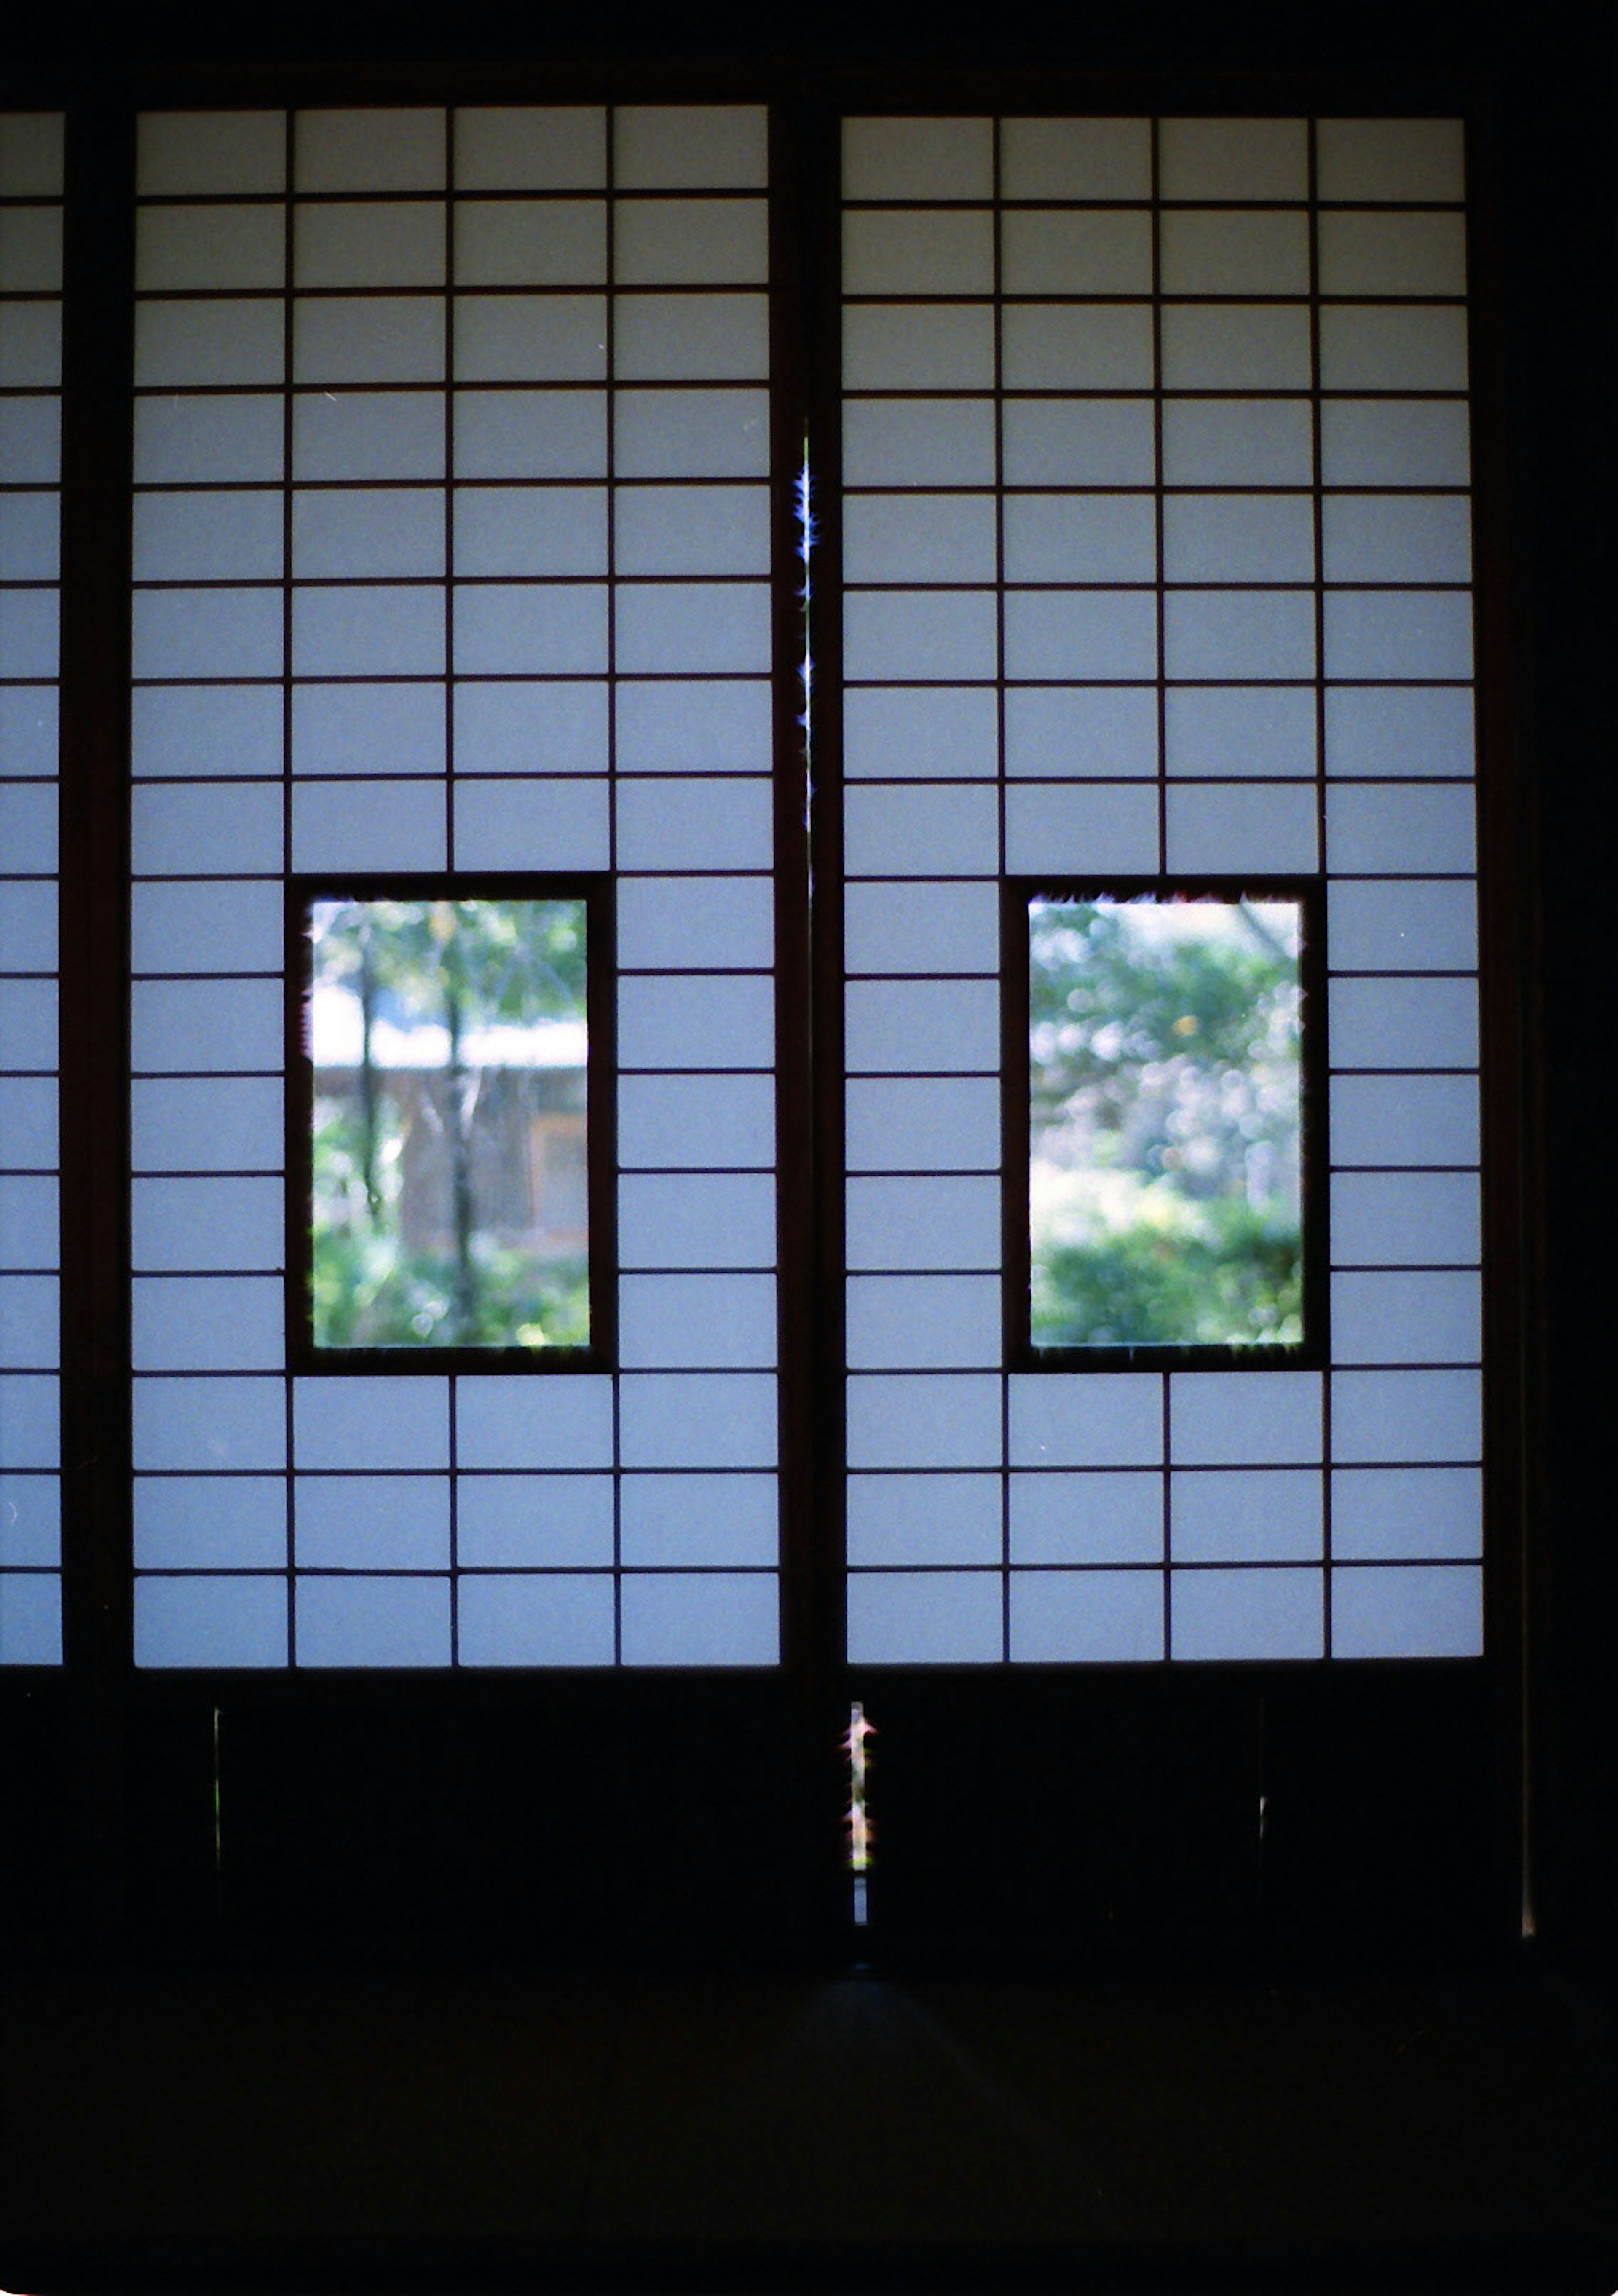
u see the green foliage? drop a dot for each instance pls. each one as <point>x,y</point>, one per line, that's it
<point>1240,1280</point>
<point>1164,1145</point>
<point>370,1292</point>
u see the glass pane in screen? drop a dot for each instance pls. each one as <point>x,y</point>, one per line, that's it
<point>1165,1067</point>
<point>449,1196</point>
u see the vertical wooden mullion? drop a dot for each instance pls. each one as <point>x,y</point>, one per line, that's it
<point>822,1158</point>
<point>97,472</point>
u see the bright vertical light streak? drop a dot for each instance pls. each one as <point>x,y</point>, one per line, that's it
<point>858,1821</point>
<point>806,542</point>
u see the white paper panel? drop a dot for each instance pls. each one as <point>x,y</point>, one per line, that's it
<point>932,1124</point>
<point>199,1522</point>
<point>27,1220</point>
<point>1221,1516</point>
<point>937,1222</point>
<point>1213,442</point>
<point>1423,1219</point>
<point>918,347</point>
<point>1398,1415</point>
<point>1219,1419</point>
<point>922,928</point>
<point>344,533</point>
<point>697,1419</point>
<point>1422,1612</point>
<point>210,1621</point>
<point>1078,732</point>
<point>922,1025</point>
<point>530,338</point>
<point>390,824</point>
<point>1101,825</point>
<point>920,158</point>
<point>208,730</point>
<point>1096,1419</point>
<point>1389,1512</point>
<point>924,1419</point>
<point>1404,1119</point>
<point>924,1518</point>
<point>717,1123</point>
<point>1100,1517</point>
<point>707,1220</point>
<point>1055,442</point>
<point>1094,1618</point>
<point>926,732</point>
<point>556,1619</point>
<point>371,1523</point>
<point>372,1621</point>
<point>215,341</point>
<point>668,146</point>
<point>1400,730</point>
<point>531,242</point>
<point>923,1323</point>
<point>696,1322</point>
<point>182,151</point>
<point>226,1125</point>
<point>940,1618</point>
<point>1075,158</point>
<point>1395,1023</point>
<point>694,922</point>
<point>1222,252</point>
<point>368,243</point>
<point>921,831</point>
<point>336,150</point>
<point>543,1523</point>
<point>919,538</point>
<point>525,728</point>
<point>1430,1316</point>
<point>918,442</point>
<point>694,825</point>
<point>1393,347</point>
<point>496,1425</point>
<point>718,1619</point>
<point>1404,927</point>
<point>908,251</point>
<point>699,1520</point>
<point>734,1030</point>
<point>394,1424</point>
<point>1097,346</point>
<point>1228,828</point>
<point>1076,251</point>
<point>1241,731</point>
<point>690,241</point>
<point>1247,1614</point>
<point>550,148</point>
<point>1236,347</point>
<point>1370,254</point>
<point>203,1426</point>
<point>694,727</point>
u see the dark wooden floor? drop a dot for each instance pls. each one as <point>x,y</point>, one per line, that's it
<point>211,2131</point>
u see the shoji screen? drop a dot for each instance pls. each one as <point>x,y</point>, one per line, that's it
<point>1156,562</point>
<point>31,376</point>
<point>452,553</point>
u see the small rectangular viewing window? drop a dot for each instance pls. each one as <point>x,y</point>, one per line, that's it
<point>1161,1189</point>
<point>448,1116</point>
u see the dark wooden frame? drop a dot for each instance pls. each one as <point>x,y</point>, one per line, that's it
<point>122,1736</point>
<point>596,891</point>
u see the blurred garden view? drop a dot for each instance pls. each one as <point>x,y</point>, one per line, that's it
<point>450,1196</point>
<point>1165,1197</point>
